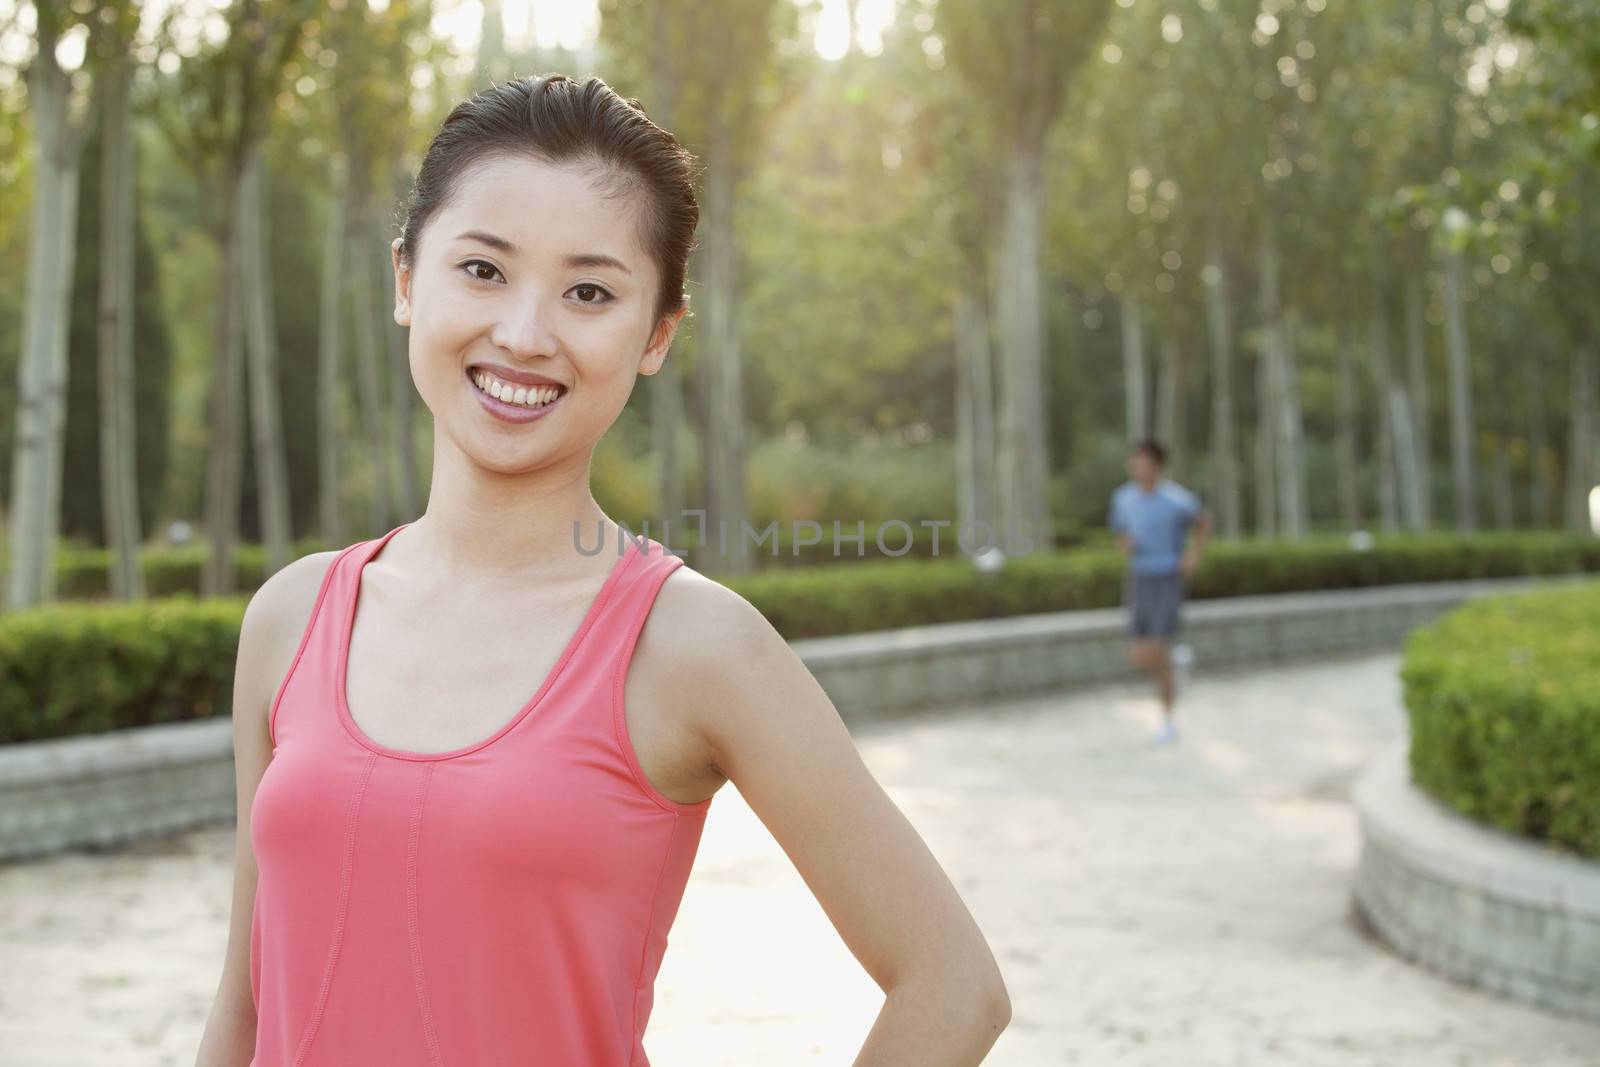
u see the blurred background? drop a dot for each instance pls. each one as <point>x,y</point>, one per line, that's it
<point>1341,257</point>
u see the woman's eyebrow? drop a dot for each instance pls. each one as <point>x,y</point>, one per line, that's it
<point>585,259</point>
<point>499,244</point>
<point>596,259</point>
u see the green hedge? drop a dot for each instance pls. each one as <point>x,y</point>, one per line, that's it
<point>877,595</point>
<point>85,573</point>
<point>81,667</point>
<point>1504,700</point>
<point>1232,568</point>
<point>84,668</point>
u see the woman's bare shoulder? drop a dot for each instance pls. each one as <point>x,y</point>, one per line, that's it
<point>704,640</point>
<point>290,593</point>
<point>704,621</point>
<point>704,648</point>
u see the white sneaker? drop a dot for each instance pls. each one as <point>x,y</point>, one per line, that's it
<point>1167,733</point>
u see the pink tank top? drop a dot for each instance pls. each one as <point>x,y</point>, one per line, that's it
<point>506,903</point>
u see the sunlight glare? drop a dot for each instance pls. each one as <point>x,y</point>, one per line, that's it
<point>833,29</point>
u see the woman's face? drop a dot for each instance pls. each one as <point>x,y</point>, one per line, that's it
<point>530,278</point>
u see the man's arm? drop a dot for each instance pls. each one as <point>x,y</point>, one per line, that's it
<point>1118,526</point>
<point>1197,542</point>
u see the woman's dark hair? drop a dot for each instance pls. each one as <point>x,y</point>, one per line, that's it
<point>555,119</point>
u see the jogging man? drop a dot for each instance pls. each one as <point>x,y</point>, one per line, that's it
<point>1152,517</point>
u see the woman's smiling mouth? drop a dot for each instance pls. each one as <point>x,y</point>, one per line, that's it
<point>513,401</point>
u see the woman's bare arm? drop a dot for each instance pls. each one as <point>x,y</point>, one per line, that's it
<point>776,735</point>
<point>274,622</point>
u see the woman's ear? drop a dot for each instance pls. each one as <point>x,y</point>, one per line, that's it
<point>402,286</point>
<point>655,354</point>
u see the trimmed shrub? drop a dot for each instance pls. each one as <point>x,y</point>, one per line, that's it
<point>70,669</point>
<point>1504,700</point>
<point>82,667</point>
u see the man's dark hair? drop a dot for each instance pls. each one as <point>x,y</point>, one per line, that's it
<point>1154,449</point>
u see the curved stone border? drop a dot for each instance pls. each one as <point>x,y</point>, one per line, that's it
<point>104,789</point>
<point>1473,902</point>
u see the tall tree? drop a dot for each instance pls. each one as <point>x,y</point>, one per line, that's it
<point>216,110</point>
<point>61,118</point>
<point>119,481</point>
<point>719,89</point>
<point>1018,57</point>
<point>368,57</point>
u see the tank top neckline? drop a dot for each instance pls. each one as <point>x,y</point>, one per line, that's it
<point>347,629</point>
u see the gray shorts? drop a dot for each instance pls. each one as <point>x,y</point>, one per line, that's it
<point>1153,601</point>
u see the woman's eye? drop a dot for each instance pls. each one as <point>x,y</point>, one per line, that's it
<point>595,294</point>
<point>472,267</point>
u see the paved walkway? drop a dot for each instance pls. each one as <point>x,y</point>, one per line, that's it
<point>1148,906</point>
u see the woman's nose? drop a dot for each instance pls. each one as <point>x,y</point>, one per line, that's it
<point>523,329</point>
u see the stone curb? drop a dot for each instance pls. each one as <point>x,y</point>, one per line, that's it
<point>1473,902</point>
<point>104,789</point>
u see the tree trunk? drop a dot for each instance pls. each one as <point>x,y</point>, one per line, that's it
<point>1417,380</point>
<point>1581,461</point>
<point>725,491</point>
<point>1266,453</point>
<point>1169,400</point>
<point>226,456</point>
<point>1504,509</point>
<point>329,512</point>
<point>119,472</point>
<point>666,416</point>
<point>369,387</point>
<point>1278,423</point>
<point>975,443</point>
<point>1538,443</point>
<point>1133,373</point>
<point>266,419</point>
<point>1024,467</point>
<point>1224,461</point>
<point>402,392</point>
<point>1460,395</point>
<point>1388,494</point>
<point>1345,436</point>
<point>666,385</point>
<point>1291,457</point>
<point>35,517</point>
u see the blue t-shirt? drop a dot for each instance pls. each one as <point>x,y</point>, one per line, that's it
<point>1158,522</point>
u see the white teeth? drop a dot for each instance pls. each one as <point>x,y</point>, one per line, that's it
<point>514,394</point>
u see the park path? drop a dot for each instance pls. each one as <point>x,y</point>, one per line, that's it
<point>1149,906</point>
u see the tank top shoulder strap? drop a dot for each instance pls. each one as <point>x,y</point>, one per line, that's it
<point>629,597</point>
<point>316,660</point>
<point>652,565</point>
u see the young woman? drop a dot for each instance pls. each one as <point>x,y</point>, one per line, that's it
<point>434,867</point>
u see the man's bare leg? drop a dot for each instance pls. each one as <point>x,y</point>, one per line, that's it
<point>1161,655</point>
<point>1153,655</point>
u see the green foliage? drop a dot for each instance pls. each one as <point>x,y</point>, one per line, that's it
<point>81,668</point>
<point>1504,701</point>
<point>879,358</point>
<point>1019,56</point>
<point>870,188</point>
<point>870,596</point>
